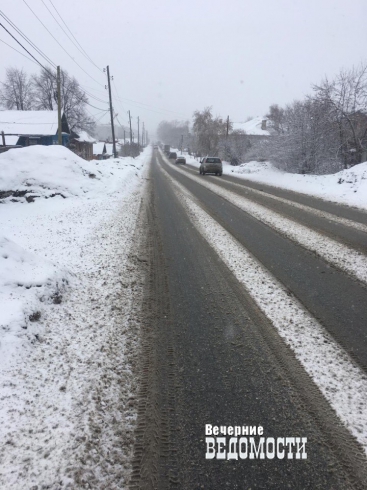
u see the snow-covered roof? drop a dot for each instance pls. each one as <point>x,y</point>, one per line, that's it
<point>84,137</point>
<point>9,140</point>
<point>252,127</point>
<point>98,148</point>
<point>109,148</point>
<point>29,122</point>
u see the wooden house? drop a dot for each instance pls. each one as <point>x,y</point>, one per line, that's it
<point>33,127</point>
<point>81,143</point>
<point>99,151</point>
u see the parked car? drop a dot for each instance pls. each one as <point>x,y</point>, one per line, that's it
<point>172,155</point>
<point>181,160</point>
<point>155,147</point>
<point>211,165</point>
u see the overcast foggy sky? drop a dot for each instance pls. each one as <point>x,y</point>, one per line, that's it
<point>238,56</point>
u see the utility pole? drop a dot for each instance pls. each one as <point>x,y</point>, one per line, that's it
<point>59,132</point>
<point>124,138</point>
<point>131,133</point>
<point>143,136</point>
<point>181,143</point>
<point>226,145</point>
<point>111,112</point>
<point>138,137</point>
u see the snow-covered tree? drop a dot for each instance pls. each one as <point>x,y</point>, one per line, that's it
<point>345,98</point>
<point>208,131</point>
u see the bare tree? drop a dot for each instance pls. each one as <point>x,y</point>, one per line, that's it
<point>276,117</point>
<point>16,92</point>
<point>208,131</point>
<point>45,90</point>
<point>73,98</point>
<point>307,142</point>
<point>346,101</point>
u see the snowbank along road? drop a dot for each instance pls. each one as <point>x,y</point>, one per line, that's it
<point>70,289</point>
<point>255,311</point>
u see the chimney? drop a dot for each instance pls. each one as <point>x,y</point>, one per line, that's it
<point>263,124</point>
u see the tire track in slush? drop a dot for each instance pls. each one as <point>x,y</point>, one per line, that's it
<point>343,384</point>
<point>227,366</point>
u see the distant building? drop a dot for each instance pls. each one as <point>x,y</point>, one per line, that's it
<point>99,151</point>
<point>81,143</point>
<point>256,127</point>
<point>248,140</point>
<point>29,128</point>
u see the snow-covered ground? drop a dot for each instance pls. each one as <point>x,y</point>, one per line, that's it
<point>346,187</point>
<point>68,292</point>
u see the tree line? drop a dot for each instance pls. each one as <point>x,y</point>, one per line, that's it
<point>24,92</point>
<point>323,133</point>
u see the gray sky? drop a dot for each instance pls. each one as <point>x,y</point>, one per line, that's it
<point>172,57</point>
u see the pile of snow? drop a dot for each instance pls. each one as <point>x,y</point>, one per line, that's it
<point>49,171</point>
<point>26,281</point>
<point>62,302</point>
<point>347,186</point>
<point>38,233</point>
<point>253,168</point>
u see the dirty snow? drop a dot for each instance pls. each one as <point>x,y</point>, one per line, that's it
<point>342,383</point>
<point>69,298</point>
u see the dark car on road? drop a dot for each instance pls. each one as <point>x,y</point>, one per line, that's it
<point>172,155</point>
<point>211,165</point>
<point>181,160</point>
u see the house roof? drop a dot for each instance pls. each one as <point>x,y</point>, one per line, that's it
<point>84,137</point>
<point>109,148</point>
<point>9,140</point>
<point>37,123</point>
<point>98,148</point>
<point>252,127</point>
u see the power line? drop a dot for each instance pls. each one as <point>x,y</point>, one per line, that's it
<point>18,51</point>
<point>61,46</point>
<point>93,96</point>
<point>25,49</point>
<point>86,54</point>
<point>30,54</point>
<point>118,100</point>
<point>101,117</point>
<point>40,64</point>
<point>58,23</point>
<point>159,110</point>
<point>45,57</point>
<point>118,97</point>
<point>94,106</point>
